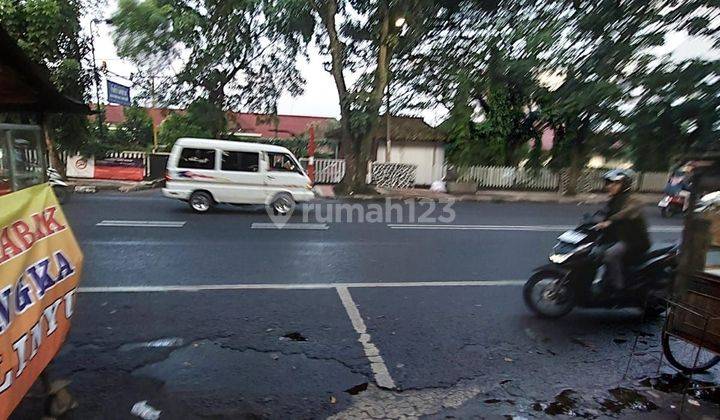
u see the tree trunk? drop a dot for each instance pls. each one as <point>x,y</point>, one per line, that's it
<point>53,159</point>
<point>573,170</point>
<point>357,146</point>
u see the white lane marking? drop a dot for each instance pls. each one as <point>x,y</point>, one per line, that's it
<point>291,226</point>
<point>377,363</point>
<point>288,286</point>
<point>523,228</point>
<point>141,223</point>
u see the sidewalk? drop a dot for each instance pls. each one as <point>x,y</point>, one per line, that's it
<point>499,196</point>
<point>83,185</point>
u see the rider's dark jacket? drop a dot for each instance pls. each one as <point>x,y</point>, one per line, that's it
<point>628,223</point>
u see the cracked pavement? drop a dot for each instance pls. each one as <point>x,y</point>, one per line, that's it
<point>453,352</point>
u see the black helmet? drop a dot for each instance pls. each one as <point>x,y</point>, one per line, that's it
<point>620,175</point>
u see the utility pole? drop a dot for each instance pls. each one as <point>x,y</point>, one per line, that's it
<point>388,140</point>
<point>311,154</point>
<point>96,77</point>
<point>152,105</point>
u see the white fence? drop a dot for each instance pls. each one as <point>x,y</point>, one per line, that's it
<point>547,180</point>
<point>327,171</point>
<point>509,177</point>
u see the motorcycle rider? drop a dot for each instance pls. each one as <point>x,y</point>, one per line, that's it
<point>625,223</point>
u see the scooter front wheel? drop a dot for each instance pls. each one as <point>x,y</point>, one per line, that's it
<point>547,295</point>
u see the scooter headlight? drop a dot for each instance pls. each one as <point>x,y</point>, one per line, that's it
<point>561,258</point>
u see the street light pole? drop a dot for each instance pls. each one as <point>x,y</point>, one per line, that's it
<point>96,75</point>
<point>388,140</point>
<point>399,23</point>
<point>96,78</point>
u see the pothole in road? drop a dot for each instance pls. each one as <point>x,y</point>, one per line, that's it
<point>293,336</point>
<point>357,389</point>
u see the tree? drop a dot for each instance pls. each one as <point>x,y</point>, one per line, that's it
<point>49,32</point>
<point>230,53</point>
<point>600,55</point>
<point>361,38</point>
<point>200,120</point>
<point>606,52</point>
<point>136,130</point>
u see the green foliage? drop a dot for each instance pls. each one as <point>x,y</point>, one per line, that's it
<point>235,53</point>
<point>136,130</point>
<point>49,32</point>
<point>179,125</point>
<point>297,145</point>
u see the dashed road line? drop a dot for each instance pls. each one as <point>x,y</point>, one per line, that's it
<point>290,226</point>
<point>293,286</point>
<point>377,363</point>
<point>520,228</point>
<point>141,223</point>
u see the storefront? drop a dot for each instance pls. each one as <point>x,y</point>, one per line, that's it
<point>26,97</point>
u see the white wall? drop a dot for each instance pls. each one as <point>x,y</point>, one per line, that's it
<point>429,158</point>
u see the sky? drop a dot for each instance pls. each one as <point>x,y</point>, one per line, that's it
<point>320,97</point>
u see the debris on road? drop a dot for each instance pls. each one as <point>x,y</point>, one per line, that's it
<point>159,343</point>
<point>145,411</point>
<point>85,189</point>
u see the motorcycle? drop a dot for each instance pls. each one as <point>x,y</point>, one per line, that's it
<point>60,187</point>
<point>553,290</point>
<point>671,205</point>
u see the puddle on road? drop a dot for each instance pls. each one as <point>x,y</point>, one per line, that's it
<point>675,384</point>
<point>565,404</point>
<point>159,343</point>
<point>570,403</point>
<point>625,398</point>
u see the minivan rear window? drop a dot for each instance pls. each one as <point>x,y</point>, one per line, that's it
<point>240,161</point>
<point>197,159</point>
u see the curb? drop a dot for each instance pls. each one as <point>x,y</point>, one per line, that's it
<point>491,198</point>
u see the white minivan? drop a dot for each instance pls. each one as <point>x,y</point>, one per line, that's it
<point>206,172</point>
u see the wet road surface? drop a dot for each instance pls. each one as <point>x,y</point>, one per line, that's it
<point>215,316</point>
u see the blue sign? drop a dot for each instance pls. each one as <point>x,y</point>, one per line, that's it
<point>118,94</point>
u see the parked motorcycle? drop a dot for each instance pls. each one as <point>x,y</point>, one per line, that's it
<point>671,205</point>
<point>62,189</point>
<point>555,289</point>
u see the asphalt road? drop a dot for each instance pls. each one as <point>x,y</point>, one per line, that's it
<point>218,316</point>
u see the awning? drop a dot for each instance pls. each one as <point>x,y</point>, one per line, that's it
<point>26,87</point>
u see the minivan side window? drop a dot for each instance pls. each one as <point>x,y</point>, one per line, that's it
<point>240,161</point>
<point>197,159</point>
<point>282,162</point>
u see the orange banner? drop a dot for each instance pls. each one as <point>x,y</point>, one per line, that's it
<point>40,266</point>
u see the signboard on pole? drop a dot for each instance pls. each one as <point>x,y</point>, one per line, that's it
<point>118,94</point>
<point>40,266</point>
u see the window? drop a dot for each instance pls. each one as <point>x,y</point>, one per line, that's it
<point>27,157</point>
<point>282,162</point>
<point>240,161</point>
<point>197,159</point>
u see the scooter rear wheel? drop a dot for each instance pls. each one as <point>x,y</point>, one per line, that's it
<point>547,296</point>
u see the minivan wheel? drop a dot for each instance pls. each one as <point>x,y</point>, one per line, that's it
<point>282,204</point>
<point>200,201</point>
